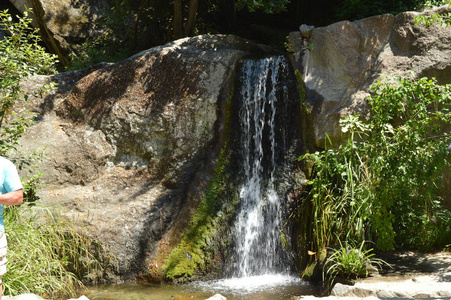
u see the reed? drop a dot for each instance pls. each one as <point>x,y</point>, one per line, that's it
<point>46,256</point>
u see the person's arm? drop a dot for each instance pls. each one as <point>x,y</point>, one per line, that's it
<point>12,198</point>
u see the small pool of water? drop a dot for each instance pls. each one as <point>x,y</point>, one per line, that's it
<point>265,287</point>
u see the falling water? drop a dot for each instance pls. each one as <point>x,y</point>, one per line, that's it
<point>258,244</point>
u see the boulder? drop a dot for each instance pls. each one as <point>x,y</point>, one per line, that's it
<point>129,147</point>
<point>342,60</point>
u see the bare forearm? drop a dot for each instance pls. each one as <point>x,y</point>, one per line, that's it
<point>12,198</point>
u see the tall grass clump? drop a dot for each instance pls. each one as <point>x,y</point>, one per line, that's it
<point>46,256</point>
<point>382,184</point>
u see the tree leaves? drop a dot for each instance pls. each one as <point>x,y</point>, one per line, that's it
<point>21,57</point>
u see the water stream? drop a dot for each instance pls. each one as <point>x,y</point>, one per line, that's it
<point>258,247</point>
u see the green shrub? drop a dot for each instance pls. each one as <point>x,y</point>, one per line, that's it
<point>382,184</point>
<point>351,262</point>
<point>46,256</point>
<point>442,20</point>
<point>21,56</point>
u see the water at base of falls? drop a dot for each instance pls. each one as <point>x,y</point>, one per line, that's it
<point>266,287</point>
<point>254,284</point>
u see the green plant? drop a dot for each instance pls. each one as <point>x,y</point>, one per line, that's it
<point>382,184</point>
<point>442,20</point>
<point>46,256</point>
<point>21,57</point>
<point>434,3</point>
<point>351,262</point>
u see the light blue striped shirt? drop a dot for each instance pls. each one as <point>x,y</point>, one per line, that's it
<point>9,182</point>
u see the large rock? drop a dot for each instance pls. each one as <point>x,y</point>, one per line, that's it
<point>130,146</point>
<point>339,62</point>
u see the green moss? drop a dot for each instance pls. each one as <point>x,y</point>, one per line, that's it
<point>302,92</point>
<point>199,244</point>
<point>192,252</point>
<point>308,132</point>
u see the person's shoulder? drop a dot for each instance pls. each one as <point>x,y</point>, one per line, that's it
<point>4,161</point>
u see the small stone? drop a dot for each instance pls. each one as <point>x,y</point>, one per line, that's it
<point>217,297</point>
<point>81,298</point>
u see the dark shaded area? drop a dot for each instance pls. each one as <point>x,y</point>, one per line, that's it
<point>409,263</point>
<point>273,28</point>
<point>11,10</point>
<point>443,75</point>
<point>7,5</point>
<point>133,26</point>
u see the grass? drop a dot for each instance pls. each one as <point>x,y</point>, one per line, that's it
<point>47,258</point>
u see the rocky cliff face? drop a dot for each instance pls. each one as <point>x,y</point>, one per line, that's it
<point>130,146</point>
<point>340,61</point>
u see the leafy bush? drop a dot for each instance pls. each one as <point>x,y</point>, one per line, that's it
<point>351,262</point>
<point>442,20</point>
<point>382,184</point>
<point>21,57</point>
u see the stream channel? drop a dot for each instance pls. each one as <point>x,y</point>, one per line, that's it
<point>260,267</point>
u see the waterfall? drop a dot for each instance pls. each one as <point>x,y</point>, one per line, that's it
<point>258,245</point>
<point>265,126</point>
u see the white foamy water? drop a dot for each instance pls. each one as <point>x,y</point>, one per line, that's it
<point>251,284</point>
<point>258,245</point>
